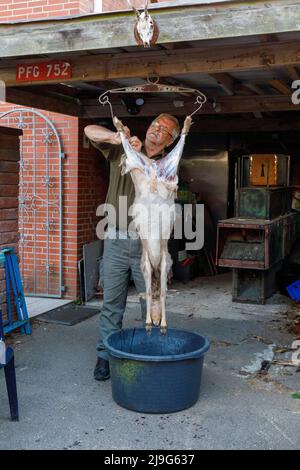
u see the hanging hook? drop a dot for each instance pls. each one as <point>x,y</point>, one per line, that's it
<point>104,100</point>
<point>201,100</point>
<point>150,82</point>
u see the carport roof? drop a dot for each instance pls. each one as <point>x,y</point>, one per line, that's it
<point>190,21</point>
<point>242,54</point>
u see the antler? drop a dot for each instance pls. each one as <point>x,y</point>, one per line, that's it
<point>134,9</point>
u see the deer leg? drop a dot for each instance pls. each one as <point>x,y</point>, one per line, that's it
<point>163,289</point>
<point>147,272</point>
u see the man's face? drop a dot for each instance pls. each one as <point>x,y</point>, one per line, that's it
<point>160,132</point>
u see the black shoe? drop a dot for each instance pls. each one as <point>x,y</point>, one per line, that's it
<point>101,371</point>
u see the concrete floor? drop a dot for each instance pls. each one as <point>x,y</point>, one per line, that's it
<point>63,407</point>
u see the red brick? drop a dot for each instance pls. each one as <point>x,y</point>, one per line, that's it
<point>15,6</point>
<point>88,194</point>
<point>53,8</point>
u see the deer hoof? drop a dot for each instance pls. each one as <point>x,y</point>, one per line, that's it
<point>148,328</point>
<point>163,330</point>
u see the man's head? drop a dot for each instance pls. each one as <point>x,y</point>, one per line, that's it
<point>163,131</point>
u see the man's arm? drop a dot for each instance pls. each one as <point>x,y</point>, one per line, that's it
<point>101,135</point>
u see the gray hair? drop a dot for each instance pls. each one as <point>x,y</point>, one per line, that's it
<point>176,131</point>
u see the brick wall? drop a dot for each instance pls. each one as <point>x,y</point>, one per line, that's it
<point>68,131</point>
<point>67,128</point>
<point>14,10</point>
<point>113,5</point>
<point>84,188</point>
<point>9,180</point>
<point>92,188</point>
<point>84,174</point>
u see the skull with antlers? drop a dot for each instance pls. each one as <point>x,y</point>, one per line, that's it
<point>145,29</point>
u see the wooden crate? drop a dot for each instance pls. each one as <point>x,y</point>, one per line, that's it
<point>268,169</point>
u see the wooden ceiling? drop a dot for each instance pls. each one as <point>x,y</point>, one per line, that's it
<point>247,78</point>
<point>248,81</point>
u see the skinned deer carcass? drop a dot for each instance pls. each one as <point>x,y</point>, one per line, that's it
<point>153,215</point>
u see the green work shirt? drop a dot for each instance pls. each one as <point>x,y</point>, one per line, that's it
<point>119,185</point>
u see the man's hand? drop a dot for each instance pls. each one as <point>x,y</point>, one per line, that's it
<point>100,134</point>
<point>117,139</point>
<point>135,143</point>
<point>187,125</point>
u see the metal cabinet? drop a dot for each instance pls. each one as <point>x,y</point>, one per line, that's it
<point>254,243</point>
<point>264,203</point>
<point>255,249</point>
<point>254,286</point>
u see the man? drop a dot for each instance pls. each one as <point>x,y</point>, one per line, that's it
<point>122,254</point>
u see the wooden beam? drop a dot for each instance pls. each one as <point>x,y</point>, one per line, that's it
<point>226,105</point>
<point>256,89</point>
<point>221,125</point>
<point>232,86</point>
<point>42,101</point>
<point>292,72</point>
<point>166,63</point>
<point>105,85</point>
<point>196,22</point>
<point>66,93</point>
<point>225,81</point>
<point>91,108</point>
<point>280,86</point>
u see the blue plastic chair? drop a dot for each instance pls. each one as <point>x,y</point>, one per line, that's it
<point>10,377</point>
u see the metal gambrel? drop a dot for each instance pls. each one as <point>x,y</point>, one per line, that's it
<point>153,87</point>
<point>40,202</point>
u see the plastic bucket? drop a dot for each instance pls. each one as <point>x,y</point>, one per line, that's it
<point>155,373</point>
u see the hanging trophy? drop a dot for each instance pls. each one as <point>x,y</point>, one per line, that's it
<point>146,31</point>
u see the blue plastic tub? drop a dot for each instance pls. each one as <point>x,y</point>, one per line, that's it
<point>294,290</point>
<point>155,373</point>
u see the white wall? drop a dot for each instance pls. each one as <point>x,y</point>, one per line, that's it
<point>97,6</point>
